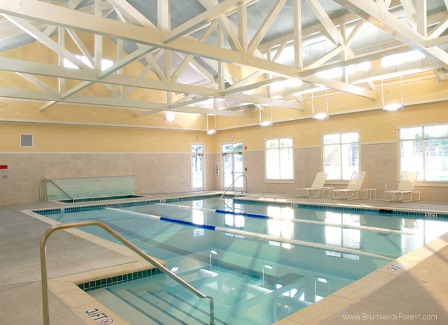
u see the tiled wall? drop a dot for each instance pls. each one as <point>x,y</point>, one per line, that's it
<point>169,173</point>
<point>88,187</point>
<point>154,172</point>
<point>378,160</point>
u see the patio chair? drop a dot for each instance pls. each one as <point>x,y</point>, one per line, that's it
<point>405,191</point>
<point>353,188</point>
<point>317,187</point>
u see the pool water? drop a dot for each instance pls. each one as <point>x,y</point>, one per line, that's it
<point>259,262</point>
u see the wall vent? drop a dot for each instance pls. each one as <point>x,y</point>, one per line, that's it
<point>26,140</point>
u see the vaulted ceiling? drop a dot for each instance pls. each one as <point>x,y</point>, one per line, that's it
<point>218,57</point>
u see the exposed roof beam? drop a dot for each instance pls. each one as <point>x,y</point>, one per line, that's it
<point>40,11</point>
<point>91,77</point>
<point>45,40</point>
<point>37,82</point>
<point>131,13</point>
<point>333,33</point>
<point>394,27</point>
<point>258,37</point>
<point>204,18</point>
<point>124,104</point>
<point>36,10</point>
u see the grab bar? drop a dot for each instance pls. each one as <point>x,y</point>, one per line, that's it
<point>231,185</point>
<point>57,186</point>
<point>43,264</point>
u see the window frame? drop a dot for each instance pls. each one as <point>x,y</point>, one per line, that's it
<point>192,155</point>
<point>341,179</point>
<point>421,179</point>
<point>279,180</point>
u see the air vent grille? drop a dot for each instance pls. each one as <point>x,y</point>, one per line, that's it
<point>26,140</point>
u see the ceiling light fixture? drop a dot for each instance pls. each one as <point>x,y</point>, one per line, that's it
<point>392,107</point>
<point>320,115</point>
<point>170,117</point>
<point>211,131</point>
<point>267,122</point>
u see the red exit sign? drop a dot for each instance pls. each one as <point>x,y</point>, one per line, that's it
<point>3,167</point>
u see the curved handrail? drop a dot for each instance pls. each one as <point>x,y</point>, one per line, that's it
<point>228,189</point>
<point>43,264</point>
<point>57,186</point>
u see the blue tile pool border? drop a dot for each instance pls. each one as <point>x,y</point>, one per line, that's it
<point>105,282</point>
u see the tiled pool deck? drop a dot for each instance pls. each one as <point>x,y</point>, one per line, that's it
<point>411,290</point>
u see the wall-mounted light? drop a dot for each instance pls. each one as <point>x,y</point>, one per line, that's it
<point>211,130</point>
<point>395,106</point>
<point>266,121</point>
<point>321,114</point>
<point>170,117</point>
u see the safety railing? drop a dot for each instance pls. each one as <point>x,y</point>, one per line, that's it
<point>57,186</point>
<point>43,264</point>
<point>232,185</point>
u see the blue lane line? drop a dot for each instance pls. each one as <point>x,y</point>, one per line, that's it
<point>187,223</point>
<point>251,215</point>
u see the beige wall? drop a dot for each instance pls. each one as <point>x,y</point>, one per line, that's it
<point>82,141</point>
<point>160,159</point>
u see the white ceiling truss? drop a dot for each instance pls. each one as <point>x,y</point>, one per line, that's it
<point>195,54</point>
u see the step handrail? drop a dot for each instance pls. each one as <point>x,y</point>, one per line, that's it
<point>57,186</point>
<point>231,186</point>
<point>43,264</point>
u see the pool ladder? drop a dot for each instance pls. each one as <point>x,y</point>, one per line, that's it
<point>43,265</point>
<point>231,186</point>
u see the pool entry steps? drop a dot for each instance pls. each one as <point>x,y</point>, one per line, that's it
<point>43,262</point>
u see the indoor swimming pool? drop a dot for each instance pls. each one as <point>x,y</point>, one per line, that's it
<point>260,262</point>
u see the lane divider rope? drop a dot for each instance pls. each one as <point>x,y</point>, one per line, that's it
<point>257,236</point>
<point>365,228</point>
<point>261,216</point>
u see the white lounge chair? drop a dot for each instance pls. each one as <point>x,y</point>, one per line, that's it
<point>405,189</point>
<point>353,188</point>
<point>317,187</point>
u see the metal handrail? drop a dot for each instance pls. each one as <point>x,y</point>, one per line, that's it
<point>57,186</point>
<point>231,185</point>
<point>43,264</point>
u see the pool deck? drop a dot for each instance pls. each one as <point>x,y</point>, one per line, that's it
<point>402,292</point>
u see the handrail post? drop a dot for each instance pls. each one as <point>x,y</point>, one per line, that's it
<point>135,249</point>
<point>44,277</point>
<point>212,310</point>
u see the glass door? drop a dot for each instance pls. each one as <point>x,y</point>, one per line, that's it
<point>233,166</point>
<point>197,167</point>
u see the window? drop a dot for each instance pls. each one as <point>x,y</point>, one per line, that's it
<point>233,166</point>
<point>279,159</point>
<point>197,166</point>
<point>425,149</point>
<point>341,155</point>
